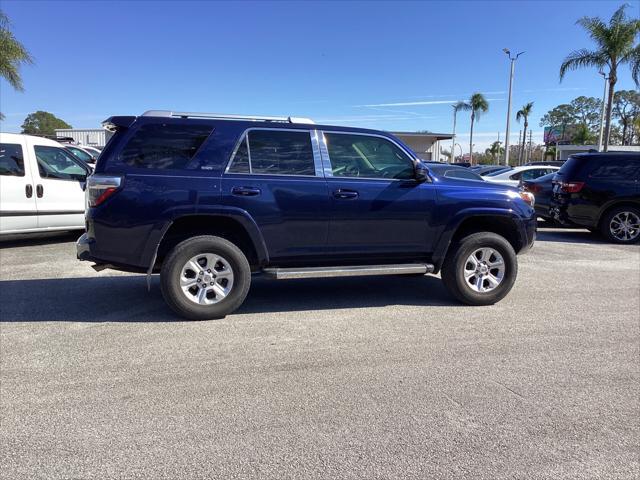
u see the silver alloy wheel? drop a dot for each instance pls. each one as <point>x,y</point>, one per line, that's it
<point>484,270</point>
<point>206,279</point>
<point>625,226</point>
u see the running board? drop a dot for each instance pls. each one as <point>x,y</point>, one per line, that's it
<point>348,271</point>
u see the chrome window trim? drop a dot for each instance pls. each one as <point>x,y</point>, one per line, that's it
<point>328,169</point>
<point>245,137</point>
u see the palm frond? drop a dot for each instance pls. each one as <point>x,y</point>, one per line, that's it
<point>582,58</point>
<point>619,16</point>
<point>461,106</point>
<point>633,58</point>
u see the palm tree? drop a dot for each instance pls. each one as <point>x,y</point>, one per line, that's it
<point>12,55</point>
<point>524,113</point>
<point>614,47</point>
<point>478,105</point>
<point>496,150</point>
<point>456,107</point>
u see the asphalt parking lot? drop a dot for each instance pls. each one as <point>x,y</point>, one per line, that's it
<point>335,378</point>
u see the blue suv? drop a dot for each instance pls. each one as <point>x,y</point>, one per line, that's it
<point>208,200</point>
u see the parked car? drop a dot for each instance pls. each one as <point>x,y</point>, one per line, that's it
<point>93,151</point>
<point>542,190</point>
<point>81,153</point>
<point>552,163</point>
<point>41,186</point>
<point>208,199</point>
<point>487,169</point>
<point>515,176</point>
<point>600,191</point>
<point>453,171</point>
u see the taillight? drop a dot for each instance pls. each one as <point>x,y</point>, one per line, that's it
<point>571,187</point>
<point>532,187</point>
<point>101,187</point>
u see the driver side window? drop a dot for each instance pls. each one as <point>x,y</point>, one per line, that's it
<point>56,163</point>
<point>367,156</point>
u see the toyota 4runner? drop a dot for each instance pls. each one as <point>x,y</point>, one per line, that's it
<point>208,200</point>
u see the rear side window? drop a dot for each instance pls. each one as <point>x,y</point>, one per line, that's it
<point>164,146</point>
<point>617,169</point>
<point>274,152</point>
<point>11,160</point>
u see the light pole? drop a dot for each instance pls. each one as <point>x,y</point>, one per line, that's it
<point>604,99</point>
<point>453,138</point>
<point>506,139</point>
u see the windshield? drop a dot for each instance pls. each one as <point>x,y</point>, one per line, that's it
<point>81,154</point>
<point>498,172</point>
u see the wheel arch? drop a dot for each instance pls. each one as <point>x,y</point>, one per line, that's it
<point>502,222</point>
<point>615,204</point>
<point>237,227</point>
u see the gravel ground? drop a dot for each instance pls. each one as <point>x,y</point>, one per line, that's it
<point>335,378</point>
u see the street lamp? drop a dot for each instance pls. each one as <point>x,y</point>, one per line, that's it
<point>513,66</point>
<point>604,97</point>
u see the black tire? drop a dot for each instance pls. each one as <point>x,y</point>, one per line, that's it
<point>181,254</point>
<point>605,225</point>
<point>454,265</point>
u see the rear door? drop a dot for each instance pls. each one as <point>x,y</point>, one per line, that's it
<point>275,175</point>
<point>18,210</point>
<point>59,186</point>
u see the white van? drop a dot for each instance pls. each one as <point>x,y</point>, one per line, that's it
<point>41,186</point>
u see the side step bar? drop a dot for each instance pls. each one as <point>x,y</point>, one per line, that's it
<point>348,271</point>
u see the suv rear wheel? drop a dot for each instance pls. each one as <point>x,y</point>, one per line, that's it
<point>205,277</point>
<point>480,269</point>
<point>621,225</point>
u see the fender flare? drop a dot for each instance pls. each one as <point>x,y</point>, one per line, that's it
<point>449,230</point>
<point>241,216</point>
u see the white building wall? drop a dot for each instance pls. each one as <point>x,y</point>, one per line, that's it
<point>92,136</point>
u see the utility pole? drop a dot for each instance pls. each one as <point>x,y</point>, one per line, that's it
<point>530,144</point>
<point>520,143</point>
<point>506,138</point>
<point>453,138</point>
<point>604,99</point>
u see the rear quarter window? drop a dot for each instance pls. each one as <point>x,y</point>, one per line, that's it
<point>163,146</point>
<point>616,169</point>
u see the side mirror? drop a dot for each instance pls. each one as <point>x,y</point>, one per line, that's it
<point>421,172</point>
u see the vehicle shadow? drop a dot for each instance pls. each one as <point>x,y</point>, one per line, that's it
<point>31,239</point>
<point>125,298</point>
<point>569,235</point>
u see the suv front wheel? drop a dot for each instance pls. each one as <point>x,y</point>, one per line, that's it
<point>480,269</point>
<point>205,277</point>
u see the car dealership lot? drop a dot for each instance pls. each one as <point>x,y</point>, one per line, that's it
<point>345,378</point>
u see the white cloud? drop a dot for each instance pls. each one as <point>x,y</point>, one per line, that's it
<point>419,103</point>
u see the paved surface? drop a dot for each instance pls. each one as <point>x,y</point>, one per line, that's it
<point>342,378</point>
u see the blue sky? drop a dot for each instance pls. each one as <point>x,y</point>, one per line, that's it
<point>393,66</point>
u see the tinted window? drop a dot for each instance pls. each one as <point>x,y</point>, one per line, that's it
<point>368,157</point>
<point>163,146</point>
<point>498,172</point>
<point>616,169</point>
<point>462,173</point>
<point>56,163</point>
<point>274,152</point>
<point>530,174</point>
<point>11,160</point>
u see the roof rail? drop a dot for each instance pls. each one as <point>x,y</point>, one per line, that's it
<point>225,116</point>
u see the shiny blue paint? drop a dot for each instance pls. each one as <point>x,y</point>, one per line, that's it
<point>289,220</point>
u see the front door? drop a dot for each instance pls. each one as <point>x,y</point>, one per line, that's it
<point>378,209</point>
<point>59,188</point>
<point>17,195</point>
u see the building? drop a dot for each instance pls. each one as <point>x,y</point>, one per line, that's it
<point>426,145</point>
<point>564,151</point>
<point>90,136</point>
